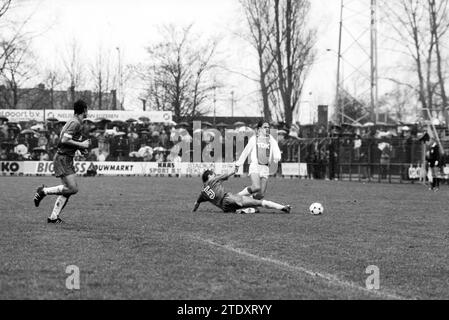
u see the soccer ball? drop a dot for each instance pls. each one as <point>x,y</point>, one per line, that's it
<point>316,208</point>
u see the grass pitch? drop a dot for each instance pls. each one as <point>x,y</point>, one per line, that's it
<point>136,238</point>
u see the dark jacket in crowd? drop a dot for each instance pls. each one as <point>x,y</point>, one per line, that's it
<point>433,155</point>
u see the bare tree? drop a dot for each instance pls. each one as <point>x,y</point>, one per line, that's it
<point>439,25</point>
<point>52,79</point>
<point>420,27</point>
<point>73,66</point>
<point>398,102</point>
<point>5,45</point>
<point>261,32</point>
<point>19,67</point>
<point>100,71</point>
<point>179,78</point>
<point>292,51</point>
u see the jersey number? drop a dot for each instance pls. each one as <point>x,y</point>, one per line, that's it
<point>210,193</point>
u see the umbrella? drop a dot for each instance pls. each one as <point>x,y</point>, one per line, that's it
<point>208,124</point>
<point>144,119</point>
<point>38,127</point>
<point>221,125</point>
<point>4,119</point>
<point>102,120</point>
<point>183,124</point>
<point>207,132</point>
<point>130,120</point>
<point>27,131</point>
<point>282,132</point>
<point>424,137</point>
<point>245,129</point>
<point>52,119</point>
<point>144,132</point>
<point>145,151</point>
<point>159,149</point>
<point>293,134</point>
<point>239,124</point>
<point>40,149</point>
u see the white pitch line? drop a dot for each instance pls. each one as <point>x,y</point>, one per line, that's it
<point>326,276</point>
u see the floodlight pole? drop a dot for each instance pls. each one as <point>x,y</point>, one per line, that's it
<point>337,91</point>
<point>373,58</point>
<point>232,104</point>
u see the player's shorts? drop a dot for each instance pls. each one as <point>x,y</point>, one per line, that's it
<point>63,165</point>
<point>232,202</point>
<point>262,170</point>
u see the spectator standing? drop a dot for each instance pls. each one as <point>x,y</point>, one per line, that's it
<point>3,155</point>
<point>42,141</point>
<point>163,139</point>
<point>53,140</point>
<point>385,156</point>
<point>101,156</point>
<point>434,161</point>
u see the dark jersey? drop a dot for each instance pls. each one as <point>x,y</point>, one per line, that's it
<point>214,192</point>
<point>433,154</point>
<point>73,130</point>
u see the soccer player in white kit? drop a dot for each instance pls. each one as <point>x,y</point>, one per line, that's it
<point>263,151</point>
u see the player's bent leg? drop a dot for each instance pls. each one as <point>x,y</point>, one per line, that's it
<point>56,190</point>
<point>70,188</point>
<point>255,183</point>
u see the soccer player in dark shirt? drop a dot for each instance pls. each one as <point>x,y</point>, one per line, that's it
<point>69,142</point>
<point>433,158</point>
<point>214,192</point>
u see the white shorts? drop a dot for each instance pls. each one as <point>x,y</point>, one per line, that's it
<point>262,170</point>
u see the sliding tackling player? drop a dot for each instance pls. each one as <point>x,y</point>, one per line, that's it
<point>214,192</point>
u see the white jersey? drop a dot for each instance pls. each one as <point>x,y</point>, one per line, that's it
<point>261,150</point>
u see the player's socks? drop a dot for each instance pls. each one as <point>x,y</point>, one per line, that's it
<point>54,190</point>
<point>59,205</point>
<point>245,192</point>
<point>272,205</point>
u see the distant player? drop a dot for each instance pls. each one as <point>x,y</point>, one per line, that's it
<point>214,192</point>
<point>69,143</point>
<point>263,151</point>
<point>433,158</point>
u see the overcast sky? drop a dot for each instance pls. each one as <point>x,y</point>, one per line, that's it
<point>132,25</point>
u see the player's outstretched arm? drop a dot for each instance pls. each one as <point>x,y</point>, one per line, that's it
<point>249,147</point>
<point>197,202</point>
<point>226,176</point>
<point>196,206</point>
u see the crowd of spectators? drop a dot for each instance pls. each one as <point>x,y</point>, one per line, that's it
<point>110,141</point>
<point>322,147</point>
